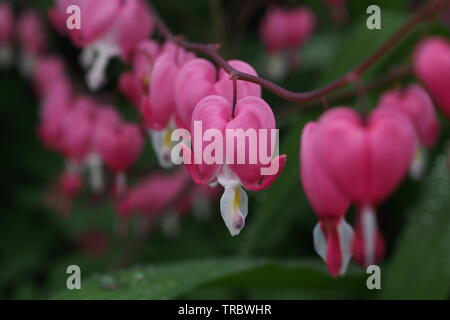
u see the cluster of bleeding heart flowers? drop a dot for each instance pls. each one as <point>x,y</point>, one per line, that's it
<point>345,158</point>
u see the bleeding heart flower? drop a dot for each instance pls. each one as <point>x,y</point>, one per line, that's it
<point>135,83</point>
<point>109,29</point>
<point>302,23</point>
<point>153,195</point>
<point>432,66</point>
<point>333,237</point>
<point>119,146</point>
<point>273,30</point>
<point>285,29</point>
<point>198,79</point>
<point>158,107</point>
<point>415,103</point>
<point>215,112</point>
<point>366,234</point>
<point>6,34</point>
<point>366,159</point>
<point>32,40</point>
<point>103,118</point>
<point>78,127</point>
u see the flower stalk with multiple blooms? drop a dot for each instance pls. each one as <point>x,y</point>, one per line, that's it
<point>346,158</point>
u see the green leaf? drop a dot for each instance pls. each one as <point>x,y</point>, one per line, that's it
<point>173,280</point>
<point>420,267</point>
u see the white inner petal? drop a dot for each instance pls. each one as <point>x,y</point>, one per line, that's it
<point>162,144</point>
<point>94,165</point>
<point>369,234</point>
<point>417,169</point>
<point>234,202</point>
<point>95,59</point>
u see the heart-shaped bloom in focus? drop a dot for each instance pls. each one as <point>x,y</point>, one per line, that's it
<point>135,84</point>
<point>119,146</point>
<point>232,165</point>
<point>158,106</point>
<point>198,79</point>
<point>415,103</point>
<point>432,66</point>
<point>108,30</point>
<point>32,40</point>
<point>366,160</point>
<point>333,236</point>
<point>6,34</point>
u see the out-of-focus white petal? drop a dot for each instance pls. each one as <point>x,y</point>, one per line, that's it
<point>417,169</point>
<point>162,144</point>
<point>369,233</point>
<point>346,236</point>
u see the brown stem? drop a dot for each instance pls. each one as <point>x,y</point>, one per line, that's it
<point>234,92</point>
<point>427,11</point>
<point>391,77</point>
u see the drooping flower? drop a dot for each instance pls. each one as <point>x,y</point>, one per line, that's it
<point>282,30</point>
<point>119,146</point>
<point>333,236</point>
<point>6,34</point>
<point>54,107</point>
<point>77,130</point>
<point>32,40</point>
<point>415,103</point>
<point>157,196</point>
<point>366,160</point>
<point>158,106</point>
<point>104,116</point>
<point>432,66</point>
<point>237,170</point>
<point>109,29</point>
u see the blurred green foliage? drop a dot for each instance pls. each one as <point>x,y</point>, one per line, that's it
<point>202,261</point>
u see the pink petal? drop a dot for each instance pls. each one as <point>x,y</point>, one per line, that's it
<point>323,195</point>
<point>224,86</point>
<point>415,103</point>
<point>432,66</point>
<point>194,82</point>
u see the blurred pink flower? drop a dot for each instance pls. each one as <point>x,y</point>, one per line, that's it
<point>333,236</point>
<point>432,66</point>
<point>366,160</point>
